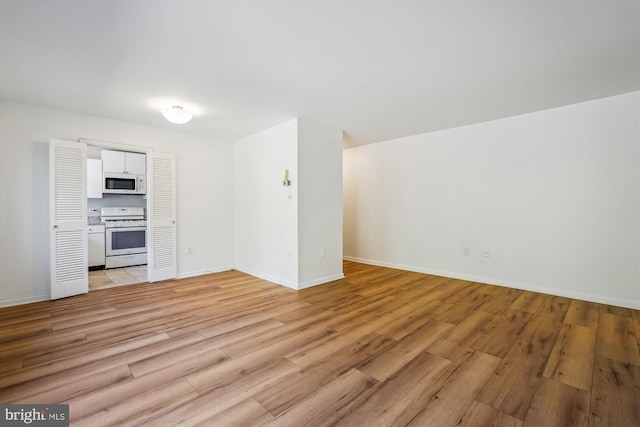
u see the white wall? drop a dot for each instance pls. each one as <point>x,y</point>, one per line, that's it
<point>266,212</point>
<point>204,192</point>
<point>319,203</point>
<point>291,235</point>
<point>554,196</point>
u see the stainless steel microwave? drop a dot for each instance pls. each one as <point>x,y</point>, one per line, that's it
<point>124,183</point>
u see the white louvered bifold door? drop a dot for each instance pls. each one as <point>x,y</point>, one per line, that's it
<point>161,215</point>
<point>68,218</point>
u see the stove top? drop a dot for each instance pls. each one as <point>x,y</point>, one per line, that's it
<point>116,223</point>
<point>123,217</point>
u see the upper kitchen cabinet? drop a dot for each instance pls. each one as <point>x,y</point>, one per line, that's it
<point>94,178</point>
<point>124,162</point>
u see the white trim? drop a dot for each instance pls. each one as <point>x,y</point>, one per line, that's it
<point>269,278</point>
<point>504,283</point>
<point>290,284</point>
<point>24,300</point>
<point>263,276</point>
<point>116,146</point>
<point>203,272</point>
<point>320,281</point>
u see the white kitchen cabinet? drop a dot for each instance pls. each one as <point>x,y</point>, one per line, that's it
<point>136,163</point>
<point>113,161</point>
<point>124,162</point>
<point>96,245</point>
<point>94,178</point>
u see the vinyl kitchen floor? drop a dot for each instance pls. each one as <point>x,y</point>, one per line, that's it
<point>101,279</point>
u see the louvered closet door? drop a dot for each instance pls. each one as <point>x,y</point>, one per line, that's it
<point>68,218</point>
<point>161,213</point>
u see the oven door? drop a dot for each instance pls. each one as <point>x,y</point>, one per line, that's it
<point>126,240</point>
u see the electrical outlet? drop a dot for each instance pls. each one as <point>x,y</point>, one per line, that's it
<point>322,253</point>
<point>190,250</point>
<point>467,251</point>
<point>487,253</point>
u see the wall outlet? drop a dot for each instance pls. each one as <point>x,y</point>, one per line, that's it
<point>487,253</point>
<point>467,251</point>
<point>322,253</point>
<point>190,250</point>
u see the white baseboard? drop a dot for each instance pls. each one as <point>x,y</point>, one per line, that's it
<point>24,300</point>
<point>211,270</point>
<point>601,299</point>
<point>269,278</point>
<point>320,281</point>
<point>291,284</point>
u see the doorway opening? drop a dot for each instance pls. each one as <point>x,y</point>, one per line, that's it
<point>70,223</point>
<point>116,259</point>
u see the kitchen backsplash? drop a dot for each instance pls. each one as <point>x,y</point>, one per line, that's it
<point>112,200</point>
<point>93,213</point>
<point>117,200</point>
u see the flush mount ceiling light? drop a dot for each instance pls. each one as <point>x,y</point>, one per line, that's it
<point>176,114</point>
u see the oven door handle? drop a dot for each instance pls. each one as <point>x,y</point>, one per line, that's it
<point>136,228</point>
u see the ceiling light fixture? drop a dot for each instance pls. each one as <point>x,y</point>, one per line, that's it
<point>176,114</point>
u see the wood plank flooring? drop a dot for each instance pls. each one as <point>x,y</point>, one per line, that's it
<point>382,347</point>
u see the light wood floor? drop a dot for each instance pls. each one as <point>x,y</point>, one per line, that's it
<point>382,347</point>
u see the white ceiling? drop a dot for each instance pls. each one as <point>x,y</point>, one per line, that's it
<point>376,69</point>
